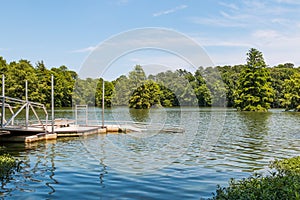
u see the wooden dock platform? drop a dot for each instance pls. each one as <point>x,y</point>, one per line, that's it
<point>28,138</point>
<point>39,133</point>
<point>33,134</point>
<point>33,128</point>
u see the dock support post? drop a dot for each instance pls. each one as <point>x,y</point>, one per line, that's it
<point>27,105</point>
<point>103,90</point>
<point>3,102</point>
<point>52,103</point>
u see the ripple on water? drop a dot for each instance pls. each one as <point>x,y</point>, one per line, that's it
<point>81,168</point>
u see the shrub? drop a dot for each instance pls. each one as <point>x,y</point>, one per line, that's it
<point>287,166</point>
<point>7,163</point>
<point>282,184</point>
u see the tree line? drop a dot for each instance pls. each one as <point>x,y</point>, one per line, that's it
<point>249,87</point>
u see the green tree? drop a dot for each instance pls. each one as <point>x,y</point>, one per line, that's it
<point>201,90</point>
<point>215,85</point>
<point>230,76</point>
<point>145,96</point>
<point>64,81</point>
<point>125,86</point>
<point>137,76</point>
<point>291,97</point>
<point>178,87</point>
<point>3,66</point>
<point>85,92</point>
<point>167,84</point>
<point>167,97</point>
<point>278,76</point>
<point>254,92</point>
<point>44,83</point>
<point>16,75</point>
<point>108,92</point>
<point>121,92</point>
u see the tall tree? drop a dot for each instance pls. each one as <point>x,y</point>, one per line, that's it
<point>230,75</point>
<point>108,92</point>
<point>279,74</point>
<point>125,87</point>
<point>137,76</point>
<point>3,65</point>
<point>16,74</point>
<point>85,92</point>
<point>200,88</point>
<point>145,96</point>
<point>64,81</point>
<point>122,91</point>
<point>291,99</point>
<point>254,92</point>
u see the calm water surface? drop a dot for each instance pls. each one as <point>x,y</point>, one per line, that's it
<point>217,144</point>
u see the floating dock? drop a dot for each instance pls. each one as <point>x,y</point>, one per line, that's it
<point>19,134</point>
<point>39,130</point>
<point>34,134</point>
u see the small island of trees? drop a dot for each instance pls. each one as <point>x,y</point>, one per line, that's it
<point>250,87</point>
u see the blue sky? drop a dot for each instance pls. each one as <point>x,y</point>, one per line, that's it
<point>64,32</point>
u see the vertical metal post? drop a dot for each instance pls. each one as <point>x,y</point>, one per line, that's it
<point>27,105</point>
<point>86,115</point>
<point>3,102</point>
<point>52,102</point>
<point>103,89</point>
<point>76,107</point>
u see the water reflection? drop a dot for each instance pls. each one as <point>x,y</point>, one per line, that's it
<point>52,168</point>
<point>254,145</point>
<point>139,115</point>
<point>256,123</point>
<point>82,168</point>
<point>243,144</point>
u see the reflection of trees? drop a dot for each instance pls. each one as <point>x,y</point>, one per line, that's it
<point>243,144</point>
<point>47,154</point>
<point>256,122</point>
<point>52,169</point>
<point>35,167</point>
<point>250,144</point>
<point>102,154</point>
<point>139,115</point>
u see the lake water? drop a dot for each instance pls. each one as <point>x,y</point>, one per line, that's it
<point>217,144</point>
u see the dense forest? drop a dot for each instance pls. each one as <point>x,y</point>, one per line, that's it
<point>251,87</point>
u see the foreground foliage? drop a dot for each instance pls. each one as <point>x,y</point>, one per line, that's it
<point>282,184</point>
<point>287,166</point>
<point>7,164</point>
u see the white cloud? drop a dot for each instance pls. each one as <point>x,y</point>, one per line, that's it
<point>289,1</point>
<point>4,49</point>
<point>273,27</point>
<point>263,34</point>
<point>122,2</point>
<point>172,10</point>
<point>254,5</point>
<point>229,5</point>
<point>219,22</point>
<point>228,58</point>
<point>280,21</point>
<point>277,48</point>
<point>227,44</point>
<point>84,50</point>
